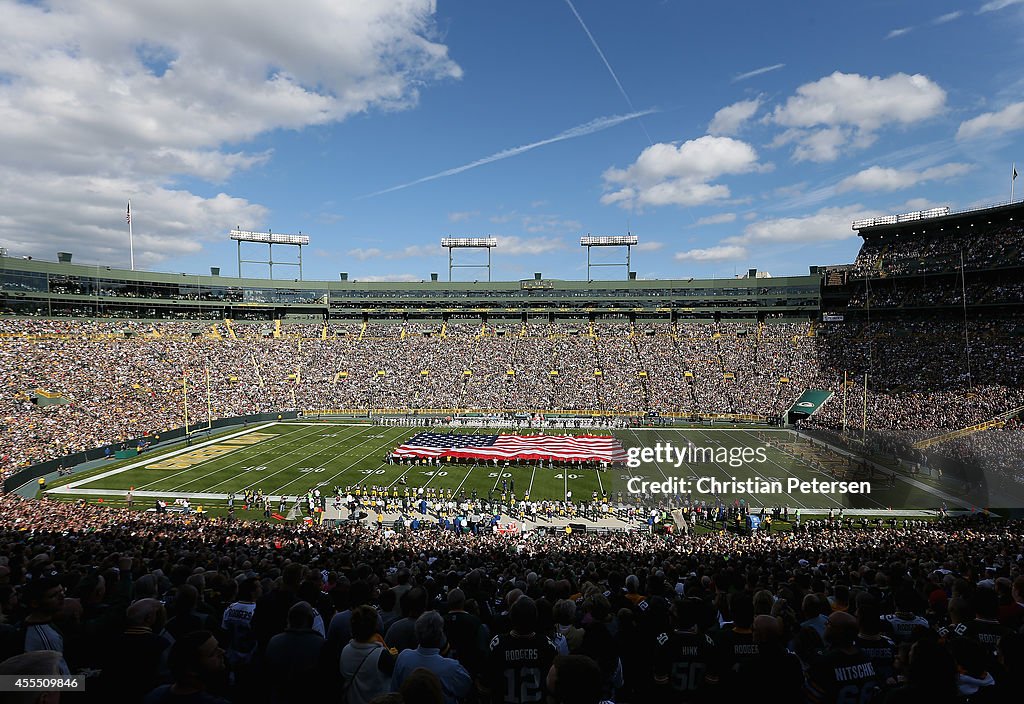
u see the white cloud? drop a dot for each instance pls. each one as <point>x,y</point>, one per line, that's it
<point>390,277</point>
<point>898,32</point>
<point>99,103</point>
<point>826,225</point>
<point>730,119</point>
<point>533,245</point>
<point>846,110</point>
<point>998,5</point>
<point>717,219</point>
<point>362,254</point>
<point>666,174</point>
<point>462,216</point>
<point>85,215</point>
<point>948,17</point>
<point>549,223</point>
<point>993,124</point>
<point>718,253</point>
<point>410,252</point>
<point>649,246</point>
<point>877,178</point>
<point>757,72</point>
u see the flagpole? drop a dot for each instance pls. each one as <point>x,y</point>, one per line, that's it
<point>131,239</point>
<point>1013,177</point>
<point>845,385</point>
<point>864,422</point>
<point>184,391</point>
<point>209,401</point>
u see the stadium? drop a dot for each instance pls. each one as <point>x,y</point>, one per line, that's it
<point>664,418</point>
<point>721,396</point>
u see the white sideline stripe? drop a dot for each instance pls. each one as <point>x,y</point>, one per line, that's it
<point>368,425</point>
<point>747,429</point>
<point>205,495</point>
<point>66,488</point>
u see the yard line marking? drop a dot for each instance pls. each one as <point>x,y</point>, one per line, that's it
<point>530,490</point>
<point>752,496</point>
<point>792,474</point>
<point>136,465</point>
<point>282,469</point>
<point>329,479</point>
<point>389,440</point>
<point>293,438</point>
<point>456,492</point>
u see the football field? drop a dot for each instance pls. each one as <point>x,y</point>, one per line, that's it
<point>289,459</point>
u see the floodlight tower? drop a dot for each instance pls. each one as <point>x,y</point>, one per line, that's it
<point>626,241</point>
<point>270,239</point>
<point>453,243</point>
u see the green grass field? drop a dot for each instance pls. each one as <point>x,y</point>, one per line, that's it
<point>291,458</point>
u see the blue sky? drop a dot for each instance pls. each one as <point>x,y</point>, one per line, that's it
<point>726,136</point>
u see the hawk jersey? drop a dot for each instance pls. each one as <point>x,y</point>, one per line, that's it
<point>681,659</point>
<point>517,668</point>
<point>842,678</point>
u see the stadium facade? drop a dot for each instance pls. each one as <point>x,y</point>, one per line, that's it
<point>60,289</point>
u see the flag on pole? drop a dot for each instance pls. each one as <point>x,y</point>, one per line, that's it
<point>1014,173</point>
<point>128,213</point>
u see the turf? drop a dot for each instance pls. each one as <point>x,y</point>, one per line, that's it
<point>292,458</point>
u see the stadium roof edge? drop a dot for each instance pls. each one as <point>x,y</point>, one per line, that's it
<point>994,209</point>
<point>101,271</point>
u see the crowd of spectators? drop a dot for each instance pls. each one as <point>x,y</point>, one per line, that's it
<point>123,380</point>
<point>154,605</point>
<point>930,293</point>
<point>931,251</point>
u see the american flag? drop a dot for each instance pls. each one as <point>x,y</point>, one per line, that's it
<point>604,448</point>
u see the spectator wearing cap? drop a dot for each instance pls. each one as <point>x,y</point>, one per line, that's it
<point>44,595</point>
<point>455,681</point>
<point>196,661</point>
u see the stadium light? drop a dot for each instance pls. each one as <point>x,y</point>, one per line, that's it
<point>903,217</point>
<point>469,242</point>
<point>608,241</point>
<point>268,237</point>
<point>453,243</point>
<point>627,241</point>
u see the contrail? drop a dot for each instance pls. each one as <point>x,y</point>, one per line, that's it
<point>607,65</point>
<point>601,123</point>
<point>757,72</point>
